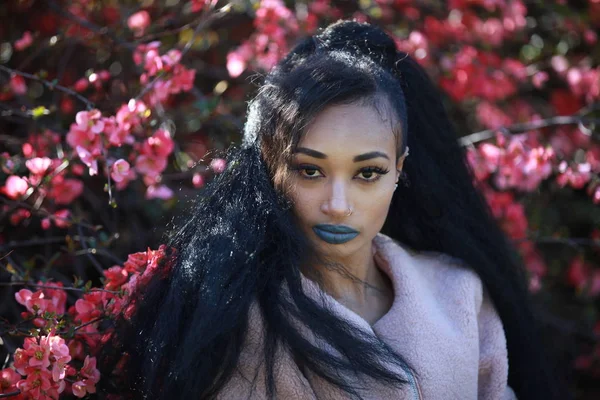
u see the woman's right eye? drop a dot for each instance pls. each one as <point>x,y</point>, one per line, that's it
<point>308,172</point>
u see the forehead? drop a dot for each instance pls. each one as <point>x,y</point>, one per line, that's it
<point>356,127</point>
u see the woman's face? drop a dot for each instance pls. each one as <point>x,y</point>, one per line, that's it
<point>343,174</point>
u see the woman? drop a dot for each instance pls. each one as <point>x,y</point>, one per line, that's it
<point>327,262</point>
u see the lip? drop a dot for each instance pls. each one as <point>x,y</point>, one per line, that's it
<point>335,234</point>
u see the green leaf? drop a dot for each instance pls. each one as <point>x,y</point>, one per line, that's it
<point>39,112</point>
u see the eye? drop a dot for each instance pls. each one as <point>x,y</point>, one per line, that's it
<point>372,174</point>
<point>308,171</point>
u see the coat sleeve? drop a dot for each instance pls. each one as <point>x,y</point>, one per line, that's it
<point>493,355</point>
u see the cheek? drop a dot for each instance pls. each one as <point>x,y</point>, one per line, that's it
<point>375,206</point>
<point>305,205</point>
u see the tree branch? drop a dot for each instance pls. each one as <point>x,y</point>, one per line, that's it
<point>49,85</point>
<point>524,127</point>
<point>66,288</point>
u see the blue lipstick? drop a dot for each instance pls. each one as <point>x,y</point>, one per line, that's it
<point>335,234</point>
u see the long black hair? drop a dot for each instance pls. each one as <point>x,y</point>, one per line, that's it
<point>242,245</point>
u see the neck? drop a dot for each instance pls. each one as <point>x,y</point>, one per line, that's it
<point>358,282</point>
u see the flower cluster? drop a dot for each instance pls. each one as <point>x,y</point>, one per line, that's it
<point>62,360</point>
<point>275,26</point>
<point>164,73</point>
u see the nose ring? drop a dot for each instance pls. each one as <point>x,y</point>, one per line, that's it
<point>349,212</point>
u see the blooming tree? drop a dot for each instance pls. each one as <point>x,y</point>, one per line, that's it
<point>111,112</point>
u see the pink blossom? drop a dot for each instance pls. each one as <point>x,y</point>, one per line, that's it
<point>88,159</point>
<point>115,277</point>
<point>577,175</point>
<point>62,218</point>
<point>91,120</point>
<point>81,85</point>
<point>578,273</point>
<point>159,192</point>
<point>159,145</point>
<point>198,5</point>
<point>197,180</point>
<point>37,384</point>
<point>153,63</point>
<point>119,170</point>
<point>237,60</point>
<point>218,165</point>
<point>417,45</point>
<point>490,31</point>
<point>596,195</point>
<point>89,369</point>
<point>142,49</point>
<point>90,372</point>
<point>117,136</point>
<point>590,37</point>
<point>21,359</point>
<point>539,78</point>
<point>15,187</point>
<point>24,42</point>
<point>183,79</point>
<point>171,58</point>
<point>83,137</point>
<point>103,75</point>
<point>65,191</point>
<point>138,22</point>
<point>125,179</point>
<point>38,353</point>
<point>8,380</point>
<point>38,165</point>
<point>559,63</point>
<point>59,354</point>
<point>50,300</point>
<point>19,215</point>
<point>150,166</point>
<point>18,85</point>
<point>45,223</point>
<point>23,296</point>
<point>136,262</point>
<point>491,116</point>
<point>131,114</point>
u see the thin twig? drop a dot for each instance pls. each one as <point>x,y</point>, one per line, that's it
<point>89,254</point>
<point>45,213</point>
<point>50,85</point>
<point>31,242</point>
<point>527,126</point>
<point>9,394</point>
<point>82,325</point>
<point>65,288</point>
<point>156,35</point>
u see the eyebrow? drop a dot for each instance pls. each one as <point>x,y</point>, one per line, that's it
<point>358,158</point>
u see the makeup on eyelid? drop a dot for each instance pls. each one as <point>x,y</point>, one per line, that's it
<point>378,171</point>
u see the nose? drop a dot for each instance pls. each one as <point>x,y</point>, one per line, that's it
<point>337,202</point>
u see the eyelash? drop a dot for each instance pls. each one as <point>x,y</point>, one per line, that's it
<point>372,169</point>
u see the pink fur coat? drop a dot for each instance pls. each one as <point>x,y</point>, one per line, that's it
<point>441,321</point>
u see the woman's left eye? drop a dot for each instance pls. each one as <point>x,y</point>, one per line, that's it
<point>371,174</point>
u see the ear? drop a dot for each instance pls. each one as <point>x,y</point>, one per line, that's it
<point>400,163</point>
